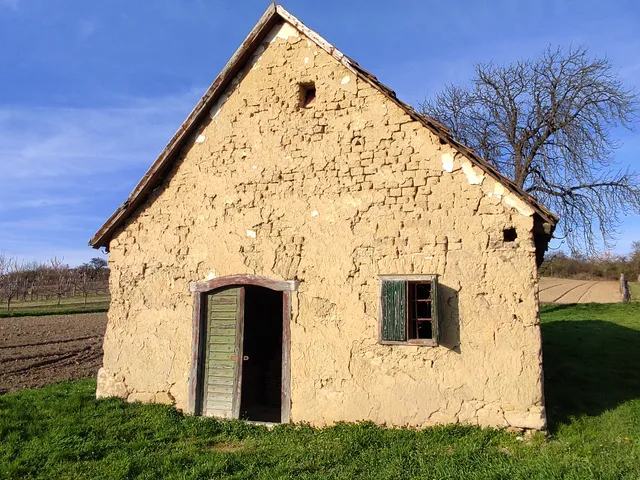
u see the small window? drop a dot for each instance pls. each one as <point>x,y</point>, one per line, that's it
<point>307,94</point>
<point>409,310</point>
<point>509,234</point>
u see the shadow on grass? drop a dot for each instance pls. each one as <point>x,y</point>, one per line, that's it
<point>555,307</point>
<point>589,366</point>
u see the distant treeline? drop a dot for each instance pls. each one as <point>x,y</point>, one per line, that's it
<point>603,266</point>
<point>37,281</point>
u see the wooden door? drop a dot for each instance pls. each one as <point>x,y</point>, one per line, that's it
<point>223,354</point>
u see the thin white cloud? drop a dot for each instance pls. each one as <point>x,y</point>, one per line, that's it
<point>86,29</point>
<point>12,4</point>
<point>65,170</point>
<point>42,202</point>
<point>58,142</point>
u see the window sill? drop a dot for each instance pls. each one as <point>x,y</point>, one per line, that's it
<point>410,343</point>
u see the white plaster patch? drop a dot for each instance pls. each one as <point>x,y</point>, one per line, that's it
<point>255,167</point>
<point>201,139</point>
<point>475,177</point>
<point>447,162</point>
<point>215,110</point>
<point>314,213</point>
<point>256,56</point>
<point>251,233</point>
<point>283,31</point>
<point>513,201</point>
<point>498,189</point>
<point>211,275</point>
<point>236,80</point>
<point>258,51</point>
<point>346,80</point>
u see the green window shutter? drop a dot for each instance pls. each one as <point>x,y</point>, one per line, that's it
<point>394,310</point>
<point>435,310</point>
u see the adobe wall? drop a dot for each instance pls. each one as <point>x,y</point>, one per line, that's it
<point>333,196</point>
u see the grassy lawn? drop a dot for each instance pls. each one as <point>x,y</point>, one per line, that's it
<point>95,303</point>
<point>591,361</point>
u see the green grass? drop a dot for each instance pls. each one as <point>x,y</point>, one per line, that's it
<point>634,290</point>
<point>593,396</point>
<point>95,303</point>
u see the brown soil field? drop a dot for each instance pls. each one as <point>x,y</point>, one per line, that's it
<point>565,290</point>
<point>36,351</point>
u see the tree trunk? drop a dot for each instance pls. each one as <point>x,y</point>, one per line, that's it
<point>624,289</point>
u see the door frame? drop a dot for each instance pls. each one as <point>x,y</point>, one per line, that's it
<point>199,290</point>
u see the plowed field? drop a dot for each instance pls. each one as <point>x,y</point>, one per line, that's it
<point>36,351</point>
<point>565,290</point>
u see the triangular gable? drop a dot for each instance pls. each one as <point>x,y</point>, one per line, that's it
<point>273,16</point>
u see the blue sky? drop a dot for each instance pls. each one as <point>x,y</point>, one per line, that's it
<point>90,92</point>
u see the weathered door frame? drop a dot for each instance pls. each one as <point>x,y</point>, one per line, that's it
<point>199,290</point>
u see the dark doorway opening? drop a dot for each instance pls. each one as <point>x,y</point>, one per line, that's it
<point>261,398</point>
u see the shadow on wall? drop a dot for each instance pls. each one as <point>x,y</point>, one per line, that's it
<point>589,366</point>
<point>450,321</point>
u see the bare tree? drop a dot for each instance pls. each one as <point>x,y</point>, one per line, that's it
<point>11,279</point>
<point>22,280</point>
<point>60,276</point>
<point>94,275</point>
<point>97,263</point>
<point>4,268</point>
<point>547,124</point>
<point>81,278</point>
<point>30,277</point>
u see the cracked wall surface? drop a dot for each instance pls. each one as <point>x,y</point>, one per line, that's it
<point>332,195</point>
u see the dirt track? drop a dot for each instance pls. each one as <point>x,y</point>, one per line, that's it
<point>564,290</point>
<point>36,351</point>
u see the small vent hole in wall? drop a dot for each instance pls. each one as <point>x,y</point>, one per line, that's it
<point>307,94</point>
<point>509,234</point>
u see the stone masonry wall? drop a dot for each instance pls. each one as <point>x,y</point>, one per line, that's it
<point>333,195</point>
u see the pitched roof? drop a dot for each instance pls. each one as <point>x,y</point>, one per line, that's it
<point>274,15</point>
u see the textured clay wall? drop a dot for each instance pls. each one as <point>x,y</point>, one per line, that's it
<point>333,195</point>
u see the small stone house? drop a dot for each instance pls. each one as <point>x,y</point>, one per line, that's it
<point>308,248</point>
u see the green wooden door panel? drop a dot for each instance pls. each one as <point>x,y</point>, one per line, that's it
<point>220,380</point>
<point>224,311</point>
<point>221,371</point>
